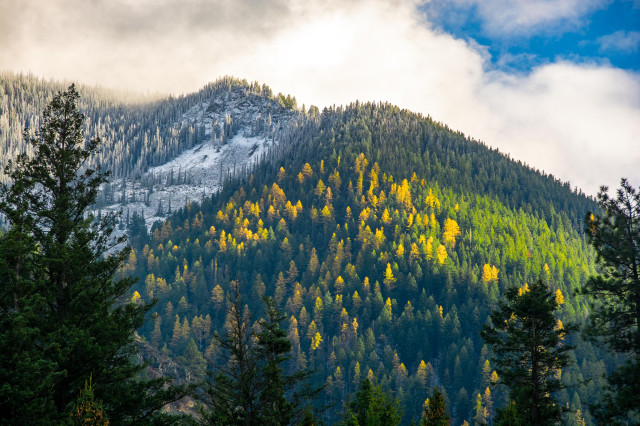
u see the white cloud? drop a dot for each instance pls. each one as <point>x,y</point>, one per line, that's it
<point>579,122</point>
<point>620,42</point>
<point>522,17</point>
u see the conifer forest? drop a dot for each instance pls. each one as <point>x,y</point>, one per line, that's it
<point>356,265</point>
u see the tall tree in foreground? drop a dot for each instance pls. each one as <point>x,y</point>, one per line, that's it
<point>276,403</point>
<point>615,298</point>
<point>372,407</point>
<point>527,341</point>
<point>231,393</point>
<point>435,410</point>
<point>64,316</point>
<point>249,386</point>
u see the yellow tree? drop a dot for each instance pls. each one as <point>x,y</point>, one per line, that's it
<point>320,188</point>
<point>441,252</point>
<point>386,218</point>
<point>335,180</point>
<point>389,280</point>
<point>378,238</point>
<point>428,249</point>
<point>421,374</point>
<point>293,335</point>
<point>356,374</point>
<point>328,195</point>
<point>315,341</point>
<point>373,178</point>
<point>494,273</point>
<point>409,221</point>
<point>486,371</point>
<point>356,301</point>
<point>488,402</point>
<point>494,378</point>
<point>307,172</point>
<point>361,163</point>
<point>486,273</point>
<point>277,194</point>
<point>317,309</point>
<point>414,253</point>
<point>451,231</point>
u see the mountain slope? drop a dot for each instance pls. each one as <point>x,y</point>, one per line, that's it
<point>386,264</point>
<point>384,236</point>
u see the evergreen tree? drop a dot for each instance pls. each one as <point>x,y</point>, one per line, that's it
<point>435,411</point>
<point>616,296</point>
<point>508,416</point>
<point>372,406</point>
<point>232,392</point>
<point>88,411</point>
<point>529,352</point>
<point>65,317</point>
<point>250,386</point>
<point>272,351</point>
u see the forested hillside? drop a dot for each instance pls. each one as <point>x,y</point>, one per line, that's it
<point>387,240</point>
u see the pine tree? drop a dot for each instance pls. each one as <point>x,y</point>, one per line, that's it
<point>87,410</point>
<point>372,406</point>
<point>231,392</point>
<point>250,385</point>
<point>616,296</point>
<point>276,405</point>
<point>435,411</point>
<point>66,318</point>
<point>529,351</point>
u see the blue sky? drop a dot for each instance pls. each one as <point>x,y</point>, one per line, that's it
<point>553,83</point>
<point>604,32</point>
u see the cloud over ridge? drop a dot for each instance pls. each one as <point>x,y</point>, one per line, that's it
<point>580,122</point>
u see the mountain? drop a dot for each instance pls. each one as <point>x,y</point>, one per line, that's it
<point>385,237</point>
<point>162,151</point>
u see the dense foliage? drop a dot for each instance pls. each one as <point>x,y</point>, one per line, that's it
<point>251,387</point>
<point>63,319</point>
<point>528,343</point>
<point>616,297</point>
<point>372,406</point>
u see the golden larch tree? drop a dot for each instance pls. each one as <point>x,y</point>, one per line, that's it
<point>451,231</point>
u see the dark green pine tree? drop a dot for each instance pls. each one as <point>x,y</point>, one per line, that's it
<point>529,352</point>
<point>231,391</point>
<point>272,351</point>
<point>508,416</point>
<point>64,316</point>
<point>435,412</point>
<point>372,406</point>
<point>250,385</point>
<point>616,297</point>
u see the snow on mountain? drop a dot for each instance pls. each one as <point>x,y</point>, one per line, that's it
<point>239,128</point>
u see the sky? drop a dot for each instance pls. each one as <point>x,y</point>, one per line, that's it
<point>553,83</point>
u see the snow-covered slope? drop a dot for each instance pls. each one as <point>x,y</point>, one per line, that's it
<point>239,129</point>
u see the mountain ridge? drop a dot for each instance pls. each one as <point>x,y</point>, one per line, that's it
<point>184,131</point>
